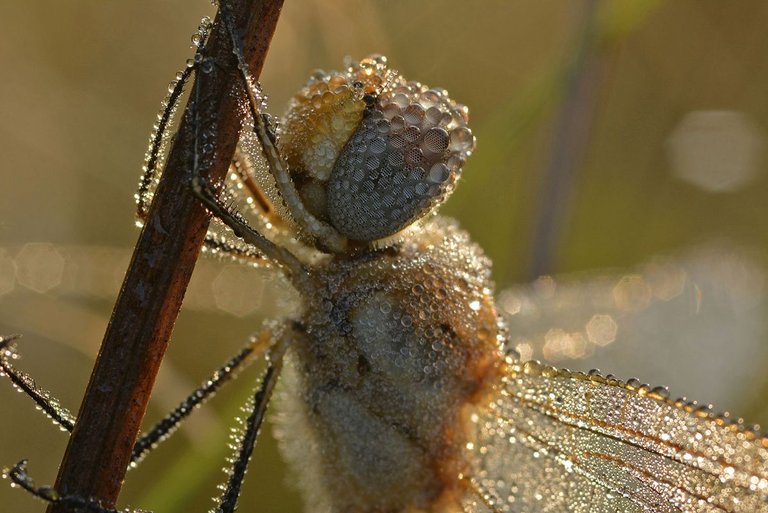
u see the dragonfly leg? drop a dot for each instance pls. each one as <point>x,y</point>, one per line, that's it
<point>152,159</point>
<point>165,427</point>
<point>257,407</point>
<point>232,218</point>
<point>62,416</point>
<point>327,236</point>
<point>263,208</point>
<point>47,404</point>
<point>256,346</point>
<point>19,477</point>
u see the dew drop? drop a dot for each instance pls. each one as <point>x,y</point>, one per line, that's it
<point>462,139</point>
<point>436,140</point>
<point>439,173</point>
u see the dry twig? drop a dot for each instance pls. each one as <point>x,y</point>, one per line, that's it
<point>115,401</point>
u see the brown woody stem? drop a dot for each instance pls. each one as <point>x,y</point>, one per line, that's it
<point>115,401</point>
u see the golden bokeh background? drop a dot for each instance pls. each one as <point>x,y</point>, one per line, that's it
<point>608,132</point>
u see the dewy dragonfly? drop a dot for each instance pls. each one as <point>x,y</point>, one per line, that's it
<point>400,390</point>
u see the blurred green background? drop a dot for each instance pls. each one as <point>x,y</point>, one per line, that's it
<point>607,132</point>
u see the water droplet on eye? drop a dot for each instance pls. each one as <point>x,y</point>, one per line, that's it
<point>433,115</point>
<point>422,189</point>
<point>397,141</point>
<point>372,163</point>
<point>455,162</point>
<point>378,145</point>
<point>436,140</point>
<point>462,139</point>
<point>401,100</point>
<point>398,123</point>
<point>413,157</point>
<point>411,134</point>
<point>439,173</point>
<point>391,110</point>
<point>395,159</point>
<point>431,96</point>
<point>414,114</point>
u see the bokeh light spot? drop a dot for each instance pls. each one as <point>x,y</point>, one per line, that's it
<point>40,266</point>
<point>717,151</point>
<point>601,329</point>
<point>7,273</point>
<point>235,290</point>
<point>632,293</point>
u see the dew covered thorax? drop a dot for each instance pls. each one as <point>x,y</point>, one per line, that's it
<point>398,343</point>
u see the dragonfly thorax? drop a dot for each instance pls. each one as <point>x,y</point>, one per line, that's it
<point>399,343</point>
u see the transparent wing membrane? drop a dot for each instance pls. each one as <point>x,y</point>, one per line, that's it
<point>556,441</point>
<point>571,317</point>
<point>664,320</point>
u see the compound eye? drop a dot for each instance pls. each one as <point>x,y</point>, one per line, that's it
<point>400,163</point>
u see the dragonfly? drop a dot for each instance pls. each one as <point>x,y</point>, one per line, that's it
<point>402,390</point>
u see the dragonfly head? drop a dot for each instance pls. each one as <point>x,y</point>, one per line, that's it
<point>370,152</point>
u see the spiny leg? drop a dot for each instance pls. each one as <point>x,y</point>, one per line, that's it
<point>148,441</point>
<point>19,477</point>
<point>152,157</point>
<point>247,441</point>
<point>18,474</point>
<point>326,235</point>
<point>228,500</point>
<point>261,206</point>
<point>164,428</point>
<point>47,404</point>
<point>160,129</point>
<point>235,220</point>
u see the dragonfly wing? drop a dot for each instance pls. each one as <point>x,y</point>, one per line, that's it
<point>558,441</point>
<point>676,320</point>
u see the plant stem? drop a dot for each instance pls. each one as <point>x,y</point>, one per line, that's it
<point>115,401</point>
